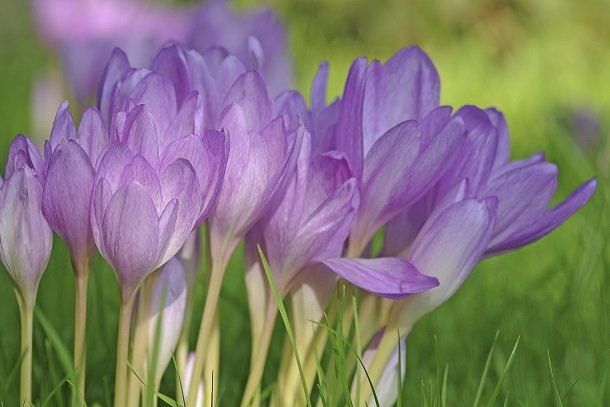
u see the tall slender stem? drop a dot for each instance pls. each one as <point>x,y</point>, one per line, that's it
<point>259,356</point>
<point>26,312</point>
<point>81,277</point>
<point>139,345</point>
<point>211,365</point>
<point>122,354</point>
<point>190,256</point>
<point>217,271</point>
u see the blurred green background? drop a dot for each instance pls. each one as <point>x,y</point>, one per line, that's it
<point>545,63</point>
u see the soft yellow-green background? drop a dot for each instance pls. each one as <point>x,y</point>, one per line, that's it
<point>536,61</point>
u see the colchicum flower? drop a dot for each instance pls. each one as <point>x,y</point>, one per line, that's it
<point>156,181</point>
<point>70,158</point>
<point>25,241</point>
<point>399,143</point>
<point>261,160</point>
<point>147,200</point>
<point>312,186</point>
<point>516,196</point>
<point>307,225</point>
<point>472,203</point>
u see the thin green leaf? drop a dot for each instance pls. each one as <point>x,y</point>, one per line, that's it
<point>511,358</point>
<point>284,315</point>
<point>556,395</point>
<point>62,353</point>
<point>477,399</point>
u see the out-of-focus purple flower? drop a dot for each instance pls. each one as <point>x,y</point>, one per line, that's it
<point>70,157</point>
<point>85,32</point>
<point>522,188</point>
<point>584,126</point>
<point>25,235</point>
<point>148,199</point>
<point>257,38</point>
<point>166,315</point>
<point>397,140</point>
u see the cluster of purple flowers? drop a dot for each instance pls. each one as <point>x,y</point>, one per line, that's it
<point>199,137</point>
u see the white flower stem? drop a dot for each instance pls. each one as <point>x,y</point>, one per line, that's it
<point>120,385</point>
<point>260,348</point>
<point>140,342</point>
<point>212,362</point>
<point>217,271</point>
<point>81,278</point>
<point>26,312</point>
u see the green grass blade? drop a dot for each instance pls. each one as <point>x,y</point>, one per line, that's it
<point>168,400</point>
<point>556,395</point>
<point>62,353</point>
<point>53,393</point>
<point>53,377</point>
<point>180,389</point>
<point>284,315</point>
<point>444,388</point>
<point>438,366</point>
<point>477,399</point>
<point>511,358</point>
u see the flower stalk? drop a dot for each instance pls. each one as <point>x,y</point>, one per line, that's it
<point>81,274</point>
<point>26,312</point>
<point>217,270</point>
<point>120,385</point>
<point>260,348</point>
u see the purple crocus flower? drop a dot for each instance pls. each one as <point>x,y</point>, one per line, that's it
<point>461,231</point>
<point>25,236</point>
<point>398,142</point>
<point>70,158</point>
<point>263,154</point>
<point>306,228</point>
<point>522,188</point>
<point>307,224</point>
<point>312,220</point>
<point>25,241</point>
<point>148,199</point>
